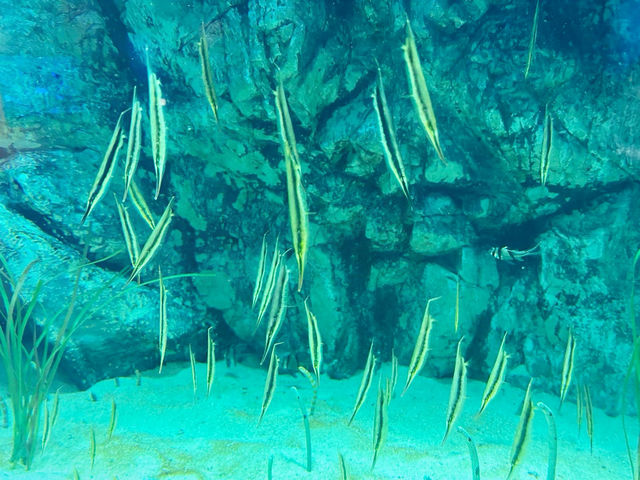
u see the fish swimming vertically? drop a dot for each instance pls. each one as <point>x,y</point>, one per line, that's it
<point>496,377</point>
<point>141,205</point>
<point>394,371</point>
<point>458,391</point>
<point>388,136</point>
<point>419,91</point>
<point>207,76</point>
<point>276,309</point>
<point>296,197</point>
<point>261,270</point>
<point>532,39</point>
<point>511,255</point>
<point>158,126</point>
<point>130,239</point>
<point>547,142</point>
<point>567,367</point>
<point>269,284</point>
<point>194,378</point>
<point>315,340</point>
<point>421,348</point>
<point>380,422</point>
<point>270,383</point>
<point>523,431</point>
<point>588,408</point>
<point>579,407</point>
<point>365,383</point>
<point>154,241</point>
<point>162,332</point>
<point>456,316</point>
<point>211,360</point>
<point>105,172</point>
<point>134,143</point>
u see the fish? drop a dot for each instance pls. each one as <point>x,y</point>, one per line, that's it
<point>113,418</point>
<point>496,377</point>
<point>547,141</point>
<point>579,407</point>
<point>421,348</point>
<point>511,255</point>
<point>388,136</point>
<point>365,383</point>
<point>105,172</point>
<point>270,384</point>
<point>456,316</point>
<point>567,367</point>
<point>162,332</point>
<point>296,197</point>
<point>380,424</point>
<point>141,205</point>
<point>130,239</point>
<point>211,360</point>
<point>133,144</point>
<point>458,391</point>
<point>419,91</point>
<point>158,126</point>
<point>532,39</point>
<point>207,76</point>
<point>276,309</point>
<point>154,241</point>
<point>261,271</point>
<point>522,432</point>
<point>394,370</point>
<point>194,379</point>
<point>588,408</point>
<point>315,340</point>
<point>269,285</point>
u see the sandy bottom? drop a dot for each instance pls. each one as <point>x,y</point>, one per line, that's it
<point>163,431</point>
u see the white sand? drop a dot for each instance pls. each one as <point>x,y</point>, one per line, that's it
<point>163,433</point>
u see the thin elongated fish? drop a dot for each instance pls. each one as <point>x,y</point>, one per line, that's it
<point>276,309</point>
<point>496,377</point>
<point>141,205</point>
<point>532,39</point>
<point>162,333</point>
<point>154,241</point>
<point>588,408</point>
<point>419,91</point>
<point>458,391</point>
<point>365,383</point>
<point>270,384</point>
<point>394,370</point>
<point>105,172</point>
<point>380,424</point>
<point>261,271</point>
<point>207,77</point>
<point>579,407</point>
<point>158,126</point>
<point>523,431</point>
<point>456,316</point>
<point>315,340</point>
<point>133,144</point>
<point>421,348</point>
<point>567,368</point>
<point>296,197</point>
<point>194,379</point>
<point>547,141</point>
<point>269,285</point>
<point>211,360</point>
<point>388,136</point>
<point>130,239</point>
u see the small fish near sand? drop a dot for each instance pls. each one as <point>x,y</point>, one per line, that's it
<point>507,254</point>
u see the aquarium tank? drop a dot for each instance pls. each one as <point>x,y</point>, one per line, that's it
<point>329,239</point>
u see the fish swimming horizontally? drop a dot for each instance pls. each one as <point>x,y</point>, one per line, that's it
<point>511,255</point>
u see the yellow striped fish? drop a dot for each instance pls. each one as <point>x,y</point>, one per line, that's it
<point>276,309</point>
<point>496,377</point>
<point>270,384</point>
<point>152,244</point>
<point>588,408</point>
<point>380,423</point>
<point>158,126</point>
<point>567,368</point>
<point>419,91</point>
<point>458,391</point>
<point>267,293</point>
<point>523,431</point>
<point>532,39</point>
<point>207,77</point>
<point>421,348</point>
<point>296,197</point>
<point>388,136</point>
<point>141,205</point>
<point>547,141</point>
<point>130,239</point>
<point>133,144</point>
<point>211,360</point>
<point>105,172</point>
<point>261,270</point>
<point>162,333</point>
<point>365,383</point>
<point>315,340</point>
